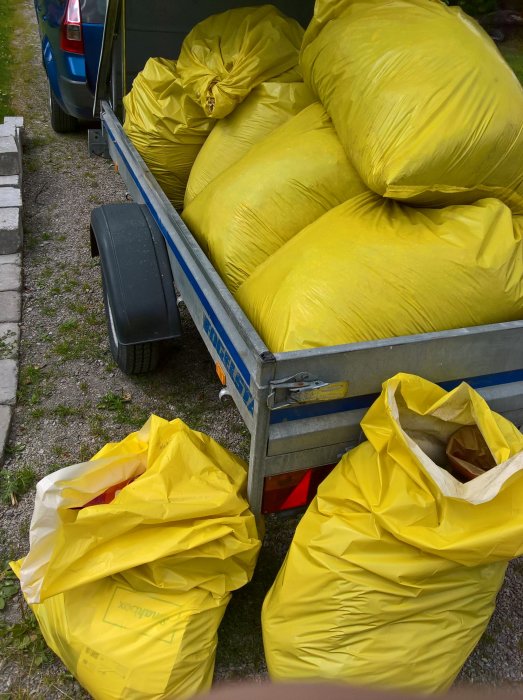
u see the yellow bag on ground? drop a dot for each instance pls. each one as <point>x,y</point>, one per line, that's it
<point>373,268</point>
<point>166,126</point>
<point>393,571</point>
<point>422,100</point>
<point>268,106</point>
<point>130,592</point>
<point>227,55</point>
<point>281,185</point>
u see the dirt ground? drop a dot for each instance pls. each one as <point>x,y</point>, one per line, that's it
<point>73,399</point>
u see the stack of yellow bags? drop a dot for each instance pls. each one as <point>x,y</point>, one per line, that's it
<point>392,205</point>
<point>174,105</point>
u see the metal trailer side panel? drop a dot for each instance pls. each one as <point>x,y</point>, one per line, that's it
<point>484,356</point>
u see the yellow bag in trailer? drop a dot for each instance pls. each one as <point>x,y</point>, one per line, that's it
<point>268,106</point>
<point>227,55</point>
<point>284,183</point>
<point>373,268</point>
<point>129,592</point>
<point>393,571</point>
<point>422,100</point>
<point>166,126</point>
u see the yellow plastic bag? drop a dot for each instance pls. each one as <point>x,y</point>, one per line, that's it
<point>122,643</point>
<point>268,106</point>
<point>130,592</point>
<point>166,126</point>
<point>373,268</point>
<point>422,100</point>
<point>393,571</point>
<point>283,183</point>
<point>227,55</point>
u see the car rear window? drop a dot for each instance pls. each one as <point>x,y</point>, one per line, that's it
<point>93,11</point>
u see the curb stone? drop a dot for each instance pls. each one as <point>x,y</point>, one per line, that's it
<point>10,230</point>
<point>11,237</point>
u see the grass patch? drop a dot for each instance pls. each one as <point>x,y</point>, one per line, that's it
<point>114,402</point>
<point>24,528</point>
<point>122,408</point>
<point>45,275</point>
<point>62,411</point>
<point>49,311</point>
<point>85,453</point>
<point>13,450</point>
<point>9,586</point>
<point>30,385</point>
<point>6,34</point>
<point>68,326</point>
<point>7,343</point>
<point>79,339</point>
<point>16,483</point>
<point>63,285</point>
<point>23,641</point>
<point>62,453</point>
<point>512,51</point>
<point>97,428</point>
<point>77,307</point>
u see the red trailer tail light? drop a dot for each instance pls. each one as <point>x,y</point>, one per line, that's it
<point>71,38</point>
<point>292,490</point>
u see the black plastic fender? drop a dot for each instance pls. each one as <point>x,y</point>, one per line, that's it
<point>136,273</point>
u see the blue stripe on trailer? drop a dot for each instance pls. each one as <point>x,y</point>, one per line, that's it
<point>192,279</point>
<point>323,409</point>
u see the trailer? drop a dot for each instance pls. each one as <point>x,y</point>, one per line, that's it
<point>303,408</point>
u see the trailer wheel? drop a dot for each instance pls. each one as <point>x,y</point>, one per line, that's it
<point>137,358</point>
<point>137,283</point>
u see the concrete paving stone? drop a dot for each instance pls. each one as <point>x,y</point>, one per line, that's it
<point>10,197</point>
<point>17,121</point>
<point>10,278</point>
<point>9,180</point>
<point>8,130</point>
<point>10,230</point>
<point>9,340</point>
<point>6,413</point>
<point>9,156</point>
<point>8,381</point>
<point>14,126</point>
<point>10,307</point>
<point>12,259</point>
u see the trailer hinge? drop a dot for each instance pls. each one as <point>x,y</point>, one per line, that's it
<point>303,388</point>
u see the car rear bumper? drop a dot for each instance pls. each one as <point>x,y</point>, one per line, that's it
<point>76,97</point>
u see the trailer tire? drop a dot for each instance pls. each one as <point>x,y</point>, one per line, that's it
<point>137,284</point>
<point>137,358</point>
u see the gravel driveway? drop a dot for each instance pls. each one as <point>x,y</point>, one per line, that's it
<point>73,399</point>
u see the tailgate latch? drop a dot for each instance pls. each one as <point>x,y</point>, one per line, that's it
<point>303,388</point>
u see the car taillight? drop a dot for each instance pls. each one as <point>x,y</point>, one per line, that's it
<point>71,39</point>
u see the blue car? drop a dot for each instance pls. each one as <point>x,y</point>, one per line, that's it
<point>71,32</point>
